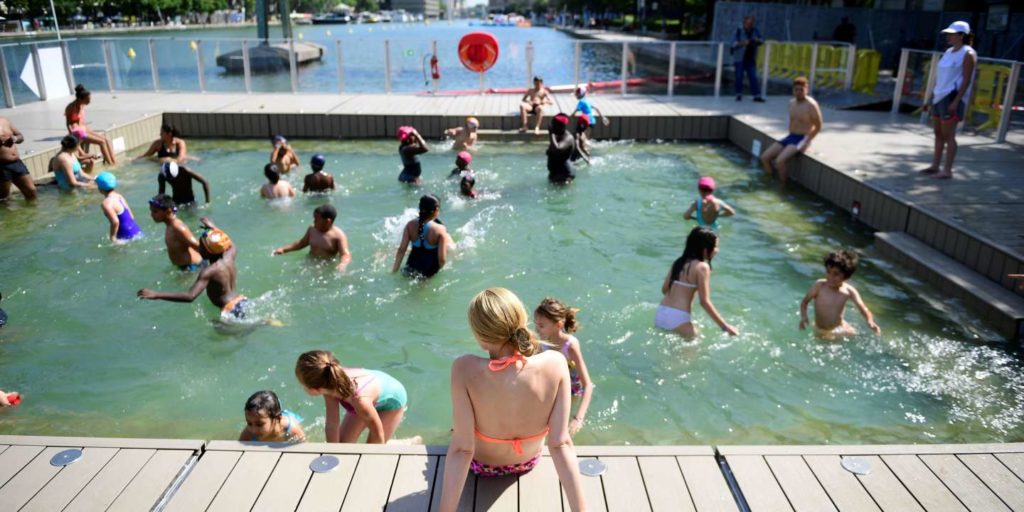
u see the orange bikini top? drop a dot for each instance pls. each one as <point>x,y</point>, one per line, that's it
<point>498,365</point>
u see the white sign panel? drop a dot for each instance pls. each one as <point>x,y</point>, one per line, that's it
<point>52,64</point>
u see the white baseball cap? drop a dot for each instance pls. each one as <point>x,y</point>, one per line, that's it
<point>958,26</point>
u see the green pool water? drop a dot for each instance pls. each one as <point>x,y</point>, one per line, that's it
<point>91,359</point>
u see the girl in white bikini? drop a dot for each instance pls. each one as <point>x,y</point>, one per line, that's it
<point>690,275</point>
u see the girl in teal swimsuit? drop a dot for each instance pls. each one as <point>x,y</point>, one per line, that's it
<point>372,399</point>
<point>707,208</point>
<point>266,422</point>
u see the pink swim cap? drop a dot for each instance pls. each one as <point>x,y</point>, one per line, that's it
<point>465,157</point>
<point>403,133</point>
<point>706,182</point>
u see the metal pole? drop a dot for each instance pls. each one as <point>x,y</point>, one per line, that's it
<point>387,67</point>
<point>1008,98</point>
<point>529,63</point>
<point>66,55</point>
<point>106,62</point>
<point>671,67</point>
<point>53,11</point>
<point>764,68</point>
<point>625,56</point>
<point>246,66</point>
<point>8,94</point>
<point>814,67</point>
<point>851,60</point>
<point>718,69</point>
<point>481,83</point>
<point>341,67</point>
<point>932,69</point>
<point>576,65</point>
<point>199,66</point>
<point>901,75</point>
<point>37,67</point>
<point>153,66</point>
<point>293,68</point>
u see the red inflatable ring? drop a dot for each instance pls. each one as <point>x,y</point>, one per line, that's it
<point>478,51</point>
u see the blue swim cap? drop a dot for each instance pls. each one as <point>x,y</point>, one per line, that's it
<point>317,162</point>
<point>106,181</point>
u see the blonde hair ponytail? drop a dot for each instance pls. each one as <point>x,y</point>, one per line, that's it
<point>497,316</point>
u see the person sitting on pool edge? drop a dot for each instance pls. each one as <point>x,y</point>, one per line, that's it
<point>122,222</point>
<point>410,146</point>
<point>429,238</point>
<point>218,279</point>
<point>180,178</point>
<point>533,103</point>
<point>324,239</point>
<point>182,245</point>
<point>465,136</point>
<point>283,155</point>
<point>804,125</point>
<point>830,295</point>
<point>318,180</point>
<point>277,188</point>
<point>707,207</point>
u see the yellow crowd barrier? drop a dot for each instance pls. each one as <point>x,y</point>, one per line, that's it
<point>989,87</point>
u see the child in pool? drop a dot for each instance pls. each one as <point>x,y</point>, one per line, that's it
<point>266,422</point>
<point>324,239</point>
<point>465,136</point>
<point>372,399</point>
<point>467,185</point>
<point>707,207</point>
<point>830,296</point>
<point>283,155</point>
<point>462,161</point>
<point>410,146</point>
<point>9,399</point>
<point>276,188</point>
<point>555,322</point>
<point>122,223</point>
<point>318,180</point>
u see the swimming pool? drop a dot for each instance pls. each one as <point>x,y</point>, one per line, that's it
<point>91,359</point>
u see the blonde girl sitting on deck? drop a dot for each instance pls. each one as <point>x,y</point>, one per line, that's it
<point>266,422</point>
<point>372,399</point>
<point>555,322</point>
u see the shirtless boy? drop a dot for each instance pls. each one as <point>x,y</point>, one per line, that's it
<point>830,296</point>
<point>318,180</point>
<point>12,169</point>
<point>465,136</point>
<point>182,245</point>
<point>325,240</point>
<point>533,104</point>
<point>277,187</point>
<point>804,125</point>
<point>218,279</point>
<point>283,155</point>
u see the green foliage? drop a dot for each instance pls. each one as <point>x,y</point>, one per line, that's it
<point>367,5</point>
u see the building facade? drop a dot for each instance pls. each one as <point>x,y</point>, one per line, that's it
<point>428,8</point>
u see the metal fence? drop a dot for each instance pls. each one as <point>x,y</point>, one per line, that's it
<point>993,90</point>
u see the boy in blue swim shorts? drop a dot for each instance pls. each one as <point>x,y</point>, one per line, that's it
<point>804,124</point>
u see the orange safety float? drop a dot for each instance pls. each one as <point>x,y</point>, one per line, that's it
<point>478,51</point>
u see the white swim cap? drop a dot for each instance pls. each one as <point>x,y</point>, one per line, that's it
<point>170,169</point>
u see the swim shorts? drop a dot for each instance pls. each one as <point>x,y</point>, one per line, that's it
<point>793,139</point>
<point>193,267</point>
<point>239,311</point>
<point>941,109</point>
<point>9,171</point>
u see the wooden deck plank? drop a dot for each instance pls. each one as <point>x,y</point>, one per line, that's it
<point>371,483</point>
<point>871,449</point>
<point>666,487</point>
<point>971,491</point>
<point>927,489</point>
<point>1013,461</point>
<point>286,484</point>
<point>15,458</point>
<point>146,488</point>
<point>468,490</point>
<point>413,483</point>
<point>623,485</point>
<point>842,486</point>
<point>706,484</point>
<point>69,481</point>
<point>326,491</point>
<point>798,482</point>
<point>758,483</point>
<point>102,442</point>
<point>204,481</point>
<point>497,494</point>
<point>3,447</point>
<point>887,490</point>
<point>244,483</point>
<point>997,477</point>
<point>33,477</point>
<point>539,489</point>
<point>111,480</point>
<point>593,494</point>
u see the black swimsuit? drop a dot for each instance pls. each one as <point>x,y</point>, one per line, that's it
<point>423,258</point>
<point>163,152</point>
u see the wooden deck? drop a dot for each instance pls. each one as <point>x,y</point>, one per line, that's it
<point>183,475</point>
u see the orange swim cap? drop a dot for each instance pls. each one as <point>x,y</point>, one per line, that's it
<point>215,241</point>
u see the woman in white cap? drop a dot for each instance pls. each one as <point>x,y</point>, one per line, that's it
<point>948,98</point>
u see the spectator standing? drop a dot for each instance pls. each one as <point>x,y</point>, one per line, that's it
<point>744,54</point>
<point>845,31</point>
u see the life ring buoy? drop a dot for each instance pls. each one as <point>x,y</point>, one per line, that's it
<point>478,51</point>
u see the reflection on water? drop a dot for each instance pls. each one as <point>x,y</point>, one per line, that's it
<point>93,360</point>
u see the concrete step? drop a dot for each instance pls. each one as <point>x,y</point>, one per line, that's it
<point>984,297</point>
